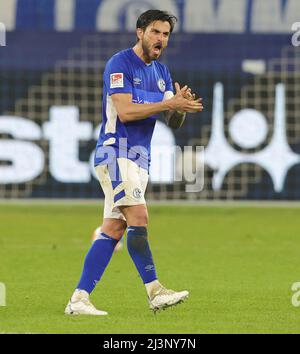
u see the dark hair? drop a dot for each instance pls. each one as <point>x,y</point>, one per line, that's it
<point>155,15</point>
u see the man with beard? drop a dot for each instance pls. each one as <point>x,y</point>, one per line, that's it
<point>137,88</point>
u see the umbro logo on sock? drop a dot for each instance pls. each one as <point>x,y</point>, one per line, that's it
<point>149,267</point>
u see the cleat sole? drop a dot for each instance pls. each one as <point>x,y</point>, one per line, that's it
<point>164,307</point>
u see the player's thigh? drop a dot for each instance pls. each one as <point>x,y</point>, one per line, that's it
<point>124,184</point>
<point>111,189</point>
<point>132,183</point>
<point>134,206</point>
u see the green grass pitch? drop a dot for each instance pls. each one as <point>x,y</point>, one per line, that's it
<point>238,263</point>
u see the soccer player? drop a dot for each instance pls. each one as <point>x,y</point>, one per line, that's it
<point>137,88</point>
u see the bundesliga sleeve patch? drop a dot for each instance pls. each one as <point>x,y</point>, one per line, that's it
<point>116,80</point>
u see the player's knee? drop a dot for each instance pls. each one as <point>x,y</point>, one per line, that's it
<point>140,219</point>
<point>115,229</point>
<point>136,215</point>
<point>119,232</point>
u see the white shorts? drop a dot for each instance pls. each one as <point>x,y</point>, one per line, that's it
<point>124,183</point>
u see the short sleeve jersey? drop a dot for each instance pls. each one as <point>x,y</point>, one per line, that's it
<point>125,72</point>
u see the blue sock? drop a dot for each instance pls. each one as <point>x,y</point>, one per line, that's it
<point>139,250</point>
<point>96,261</point>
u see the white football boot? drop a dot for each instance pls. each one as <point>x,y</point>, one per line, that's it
<point>161,298</point>
<point>81,305</point>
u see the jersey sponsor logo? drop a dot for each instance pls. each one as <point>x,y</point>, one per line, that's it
<point>161,85</point>
<point>137,193</point>
<point>116,80</point>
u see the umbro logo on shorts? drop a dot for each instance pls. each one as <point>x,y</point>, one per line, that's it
<point>137,193</point>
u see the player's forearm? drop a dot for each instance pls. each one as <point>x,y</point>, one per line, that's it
<point>175,119</point>
<point>134,111</point>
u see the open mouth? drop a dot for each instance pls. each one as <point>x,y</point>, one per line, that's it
<point>157,48</point>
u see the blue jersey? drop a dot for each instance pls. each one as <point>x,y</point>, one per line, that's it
<point>125,72</point>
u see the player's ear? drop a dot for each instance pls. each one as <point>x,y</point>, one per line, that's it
<point>139,33</point>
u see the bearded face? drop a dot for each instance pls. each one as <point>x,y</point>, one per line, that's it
<point>154,39</point>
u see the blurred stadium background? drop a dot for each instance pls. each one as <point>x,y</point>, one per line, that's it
<point>237,54</point>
